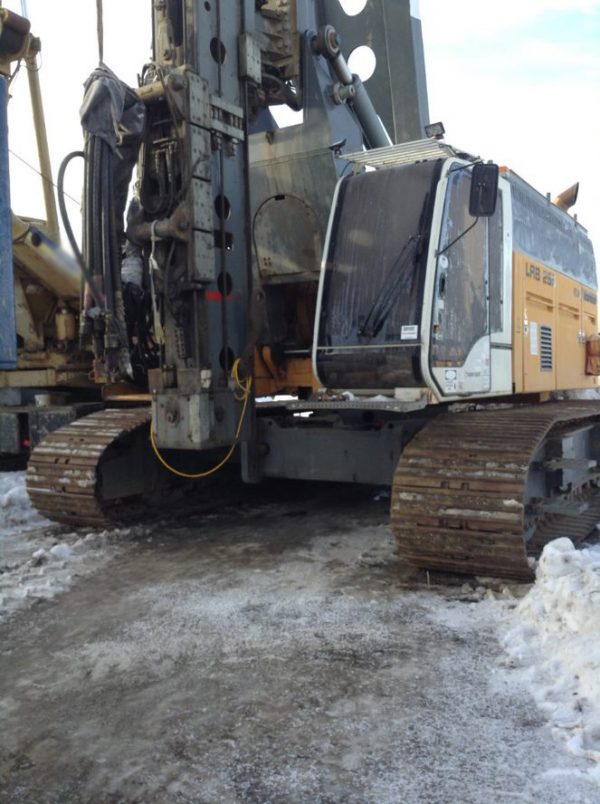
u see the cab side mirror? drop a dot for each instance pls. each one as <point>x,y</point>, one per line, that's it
<point>484,190</point>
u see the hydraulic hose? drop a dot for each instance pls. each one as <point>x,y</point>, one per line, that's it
<point>67,224</point>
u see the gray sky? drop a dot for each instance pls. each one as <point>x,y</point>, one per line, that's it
<point>516,82</point>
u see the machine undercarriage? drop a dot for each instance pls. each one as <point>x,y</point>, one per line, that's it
<point>474,492</point>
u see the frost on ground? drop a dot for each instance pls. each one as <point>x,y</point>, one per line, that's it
<point>272,653</point>
<point>38,559</point>
<point>275,653</point>
<point>555,643</point>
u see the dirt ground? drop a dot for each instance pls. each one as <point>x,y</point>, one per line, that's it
<point>270,652</point>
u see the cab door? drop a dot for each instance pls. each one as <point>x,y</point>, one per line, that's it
<point>460,350</point>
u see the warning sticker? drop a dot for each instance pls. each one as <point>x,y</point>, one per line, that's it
<point>450,381</point>
<point>533,337</point>
<point>409,332</point>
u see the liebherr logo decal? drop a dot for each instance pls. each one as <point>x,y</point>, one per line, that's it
<point>540,274</point>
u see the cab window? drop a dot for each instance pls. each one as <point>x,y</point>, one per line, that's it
<point>460,307</point>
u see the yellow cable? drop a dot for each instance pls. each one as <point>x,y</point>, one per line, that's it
<point>245,388</point>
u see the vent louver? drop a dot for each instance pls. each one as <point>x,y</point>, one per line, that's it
<point>545,348</point>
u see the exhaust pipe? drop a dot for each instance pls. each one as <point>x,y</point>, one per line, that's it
<point>567,198</point>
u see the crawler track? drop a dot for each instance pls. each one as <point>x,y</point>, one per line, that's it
<point>474,492</point>
<point>461,501</point>
<point>63,478</point>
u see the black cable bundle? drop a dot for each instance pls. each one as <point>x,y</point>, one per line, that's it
<point>113,120</point>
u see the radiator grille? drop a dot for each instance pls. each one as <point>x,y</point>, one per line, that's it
<point>545,348</point>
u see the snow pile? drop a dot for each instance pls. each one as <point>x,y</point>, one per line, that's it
<point>16,511</point>
<point>557,644</point>
<point>39,559</point>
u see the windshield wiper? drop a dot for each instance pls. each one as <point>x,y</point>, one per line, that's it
<point>386,298</point>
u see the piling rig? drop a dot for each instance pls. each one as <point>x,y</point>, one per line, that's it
<point>418,304</point>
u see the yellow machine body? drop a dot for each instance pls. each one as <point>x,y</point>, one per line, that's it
<point>553,317</point>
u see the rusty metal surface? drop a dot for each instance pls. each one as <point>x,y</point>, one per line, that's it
<point>62,474</point>
<point>458,498</point>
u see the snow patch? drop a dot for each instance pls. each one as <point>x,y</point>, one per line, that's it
<point>16,512</point>
<point>62,552</point>
<point>554,643</point>
<point>38,559</point>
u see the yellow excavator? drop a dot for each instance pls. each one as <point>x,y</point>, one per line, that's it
<point>419,306</point>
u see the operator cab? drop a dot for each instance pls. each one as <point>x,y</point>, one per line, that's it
<point>415,280</point>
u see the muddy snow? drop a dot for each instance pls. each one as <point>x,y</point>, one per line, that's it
<point>275,651</point>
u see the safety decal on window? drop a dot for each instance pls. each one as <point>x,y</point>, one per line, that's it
<point>409,332</point>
